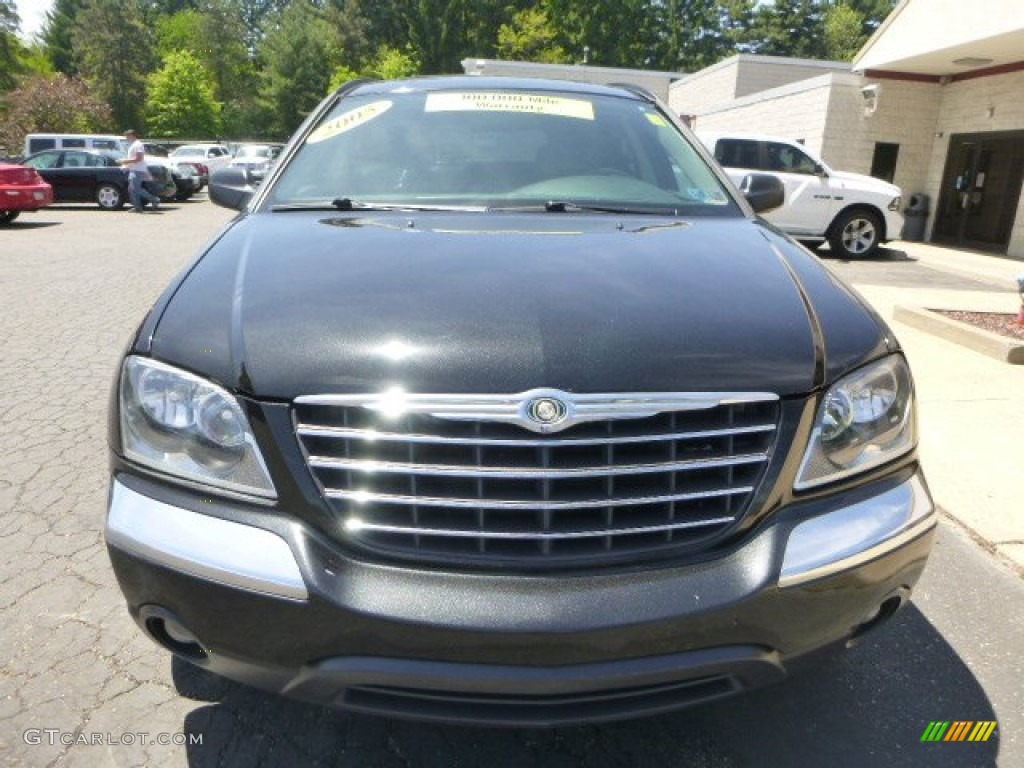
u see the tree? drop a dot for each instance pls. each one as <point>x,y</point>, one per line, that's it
<point>57,32</point>
<point>114,52</point>
<point>844,32</point>
<point>215,36</point>
<point>612,33</point>
<point>180,101</point>
<point>530,36</point>
<point>55,104</point>
<point>389,64</point>
<point>789,28</point>
<point>392,64</point>
<point>300,54</point>
<point>10,48</point>
<point>688,34</point>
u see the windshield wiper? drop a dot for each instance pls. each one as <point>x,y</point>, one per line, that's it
<point>567,206</point>
<point>348,204</point>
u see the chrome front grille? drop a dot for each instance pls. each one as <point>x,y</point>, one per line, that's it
<point>441,478</point>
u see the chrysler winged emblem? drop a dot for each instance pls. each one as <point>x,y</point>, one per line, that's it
<point>547,410</point>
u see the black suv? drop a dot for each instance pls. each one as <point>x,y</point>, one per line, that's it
<point>499,404</point>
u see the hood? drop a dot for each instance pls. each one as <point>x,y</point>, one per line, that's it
<point>294,303</point>
<point>868,183</point>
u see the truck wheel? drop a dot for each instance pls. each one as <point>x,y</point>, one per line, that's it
<point>109,197</point>
<point>855,234</point>
<point>6,217</point>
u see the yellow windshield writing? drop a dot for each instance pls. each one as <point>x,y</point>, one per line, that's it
<point>349,120</point>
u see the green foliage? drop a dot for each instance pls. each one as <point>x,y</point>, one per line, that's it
<point>270,61</point>
<point>180,31</point>
<point>392,64</point>
<point>609,33</point>
<point>300,54</point>
<point>180,101</point>
<point>57,35</point>
<point>530,36</point>
<point>55,104</point>
<point>844,32</point>
<point>10,47</point>
<point>388,64</point>
<point>114,52</point>
<point>342,74</point>
<point>789,28</point>
<point>689,34</point>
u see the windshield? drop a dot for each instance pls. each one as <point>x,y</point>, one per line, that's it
<point>189,152</point>
<point>500,149</point>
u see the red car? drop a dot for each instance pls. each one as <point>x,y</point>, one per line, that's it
<point>21,189</point>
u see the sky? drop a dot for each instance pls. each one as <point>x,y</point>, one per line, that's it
<point>33,15</point>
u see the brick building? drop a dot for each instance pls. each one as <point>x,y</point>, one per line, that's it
<point>933,102</point>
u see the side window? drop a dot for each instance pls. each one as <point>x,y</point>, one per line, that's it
<point>104,144</point>
<point>77,160</point>
<point>787,159</point>
<point>44,160</point>
<point>38,145</point>
<point>737,153</point>
<point>73,143</point>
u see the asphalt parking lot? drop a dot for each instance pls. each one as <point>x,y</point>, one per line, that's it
<point>81,686</point>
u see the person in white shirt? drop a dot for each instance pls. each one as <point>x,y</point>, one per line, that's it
<point>135,164</point>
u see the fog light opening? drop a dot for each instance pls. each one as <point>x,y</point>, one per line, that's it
<point>174,636</point>
<point>885,611</point>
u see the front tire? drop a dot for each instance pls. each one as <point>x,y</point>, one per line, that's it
<point>6,217</point>
<point>110,197</point>
<point>855,234</point>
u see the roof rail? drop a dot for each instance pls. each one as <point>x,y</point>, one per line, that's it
<point>636,90</point>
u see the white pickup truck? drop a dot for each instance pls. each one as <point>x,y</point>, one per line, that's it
<point>855,213</point>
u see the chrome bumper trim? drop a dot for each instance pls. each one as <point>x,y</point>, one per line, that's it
<point>857,534</point>
<point>202,545</point>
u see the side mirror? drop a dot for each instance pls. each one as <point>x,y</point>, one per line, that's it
<point>763,191</point>
<point>231,188</point>
<point>819,170</point>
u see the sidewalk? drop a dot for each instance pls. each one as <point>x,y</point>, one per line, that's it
<point>971,407</point>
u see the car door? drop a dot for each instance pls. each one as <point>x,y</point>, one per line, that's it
<point>48,165</point>
<point>810,201</point>
<point>80,171</point>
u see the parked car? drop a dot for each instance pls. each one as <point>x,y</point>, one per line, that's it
<point>210,157</point>
<point>79,176</point>
<point>854,213</point>
<point>38,142</point>
<point>497,403</point>
<point>184,175</point>
<point>21,189</point>
<point>256,159</point>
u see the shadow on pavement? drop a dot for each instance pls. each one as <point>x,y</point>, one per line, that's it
<point>867,707</point>
<point>882,255</point>
<point>21,224</point>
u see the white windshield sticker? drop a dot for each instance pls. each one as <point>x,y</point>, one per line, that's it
<point>349,120</point>
<point>476,101</point>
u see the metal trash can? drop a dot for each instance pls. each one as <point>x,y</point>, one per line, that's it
<point>916,215</point>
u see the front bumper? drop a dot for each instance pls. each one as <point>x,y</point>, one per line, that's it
<point>270,602</point>
<point>893,224</point>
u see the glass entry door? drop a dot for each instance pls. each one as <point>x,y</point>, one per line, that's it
<point>980,189</point>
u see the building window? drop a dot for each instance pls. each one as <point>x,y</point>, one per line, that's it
<point>883,164</point>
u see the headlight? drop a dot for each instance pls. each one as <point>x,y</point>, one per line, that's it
<point>183,425</point>
<point>865,420</point>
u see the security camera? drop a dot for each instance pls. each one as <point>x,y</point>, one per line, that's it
<point>870,95</point>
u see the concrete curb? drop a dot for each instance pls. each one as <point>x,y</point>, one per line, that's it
<point>978,339</point>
